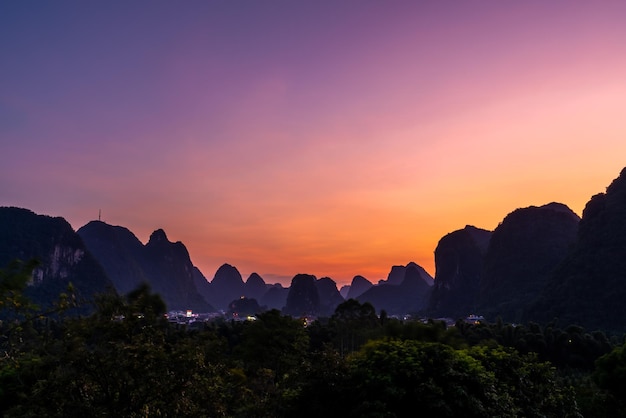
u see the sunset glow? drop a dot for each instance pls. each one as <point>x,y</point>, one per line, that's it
<point>328,138</point>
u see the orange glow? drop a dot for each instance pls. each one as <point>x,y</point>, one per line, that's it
<point>333,139</point>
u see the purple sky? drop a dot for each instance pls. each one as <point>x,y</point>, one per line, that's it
<point>321,137</point>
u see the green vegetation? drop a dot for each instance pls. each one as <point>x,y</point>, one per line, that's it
<point>126,360</point>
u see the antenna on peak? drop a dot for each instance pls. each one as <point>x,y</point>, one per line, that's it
<point>99,214</point>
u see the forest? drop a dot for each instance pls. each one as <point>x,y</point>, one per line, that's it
<point>125,359</point>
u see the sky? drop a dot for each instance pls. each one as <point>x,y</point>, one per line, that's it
<point>320,137</point>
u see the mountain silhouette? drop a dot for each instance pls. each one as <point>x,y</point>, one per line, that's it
<point>523,252</point>
<point>226,286</point>
<point>275,297</point>
<point>358,286</point>
<point>589,286</point>
<point>162,264</point>
<point>410,295</point>
<point>303,298</point>
<point>255,287</point>
<point>329,296</point>
<point>62,255</point>
<point>458,269</point>
<point>541,263</point>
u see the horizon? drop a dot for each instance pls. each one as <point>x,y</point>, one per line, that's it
<point>321,138</point>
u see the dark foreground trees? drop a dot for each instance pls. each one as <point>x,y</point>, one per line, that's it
<point>405,378</point>
<point>126,360</point>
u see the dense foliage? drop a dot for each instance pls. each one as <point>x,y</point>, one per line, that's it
<point>127,360</point>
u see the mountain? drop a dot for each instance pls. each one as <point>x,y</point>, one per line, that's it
<point>523,252</point>
<point>61,252</point>
<point>171,271</point>
<point>255,287</point>
<point>421,273</point>
<point>162,264</point>
<point>303,297</point>
<point>409,296</point>
<point>343,291</point>
<point>119,251</point>
<point>458,270</point>
<point>202,285</point>
<point>329,296</point>
<point>589,286</point>
<point>358,285</point>
<point>226,286</point>
<point>275,297</point>
<point>397,274</point>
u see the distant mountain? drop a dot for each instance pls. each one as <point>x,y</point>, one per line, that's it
<point>62,254</point>
<point>397,274</point>
<point>275,297</point>
<point>226,286</point>
<point>421,273</point>
<point>119,251</point>
<point>303,297</point>
<point>589,286</point>
<point>540,263</point>
<point>343,291</point>
<point>358,286</point>
<point>409,296</point>
<point>329,296</point>
<point>202,285</point>
<point>458,270</point>
<point>255,287</point>
<point>523,252</point>
<point>162,264</point>
<point>171,271</point>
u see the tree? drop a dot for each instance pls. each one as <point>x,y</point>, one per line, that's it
<point>533,386</point>
<point>272,349</point>
<point>354,324</point>
<point>610,375</point>
<point>399,378</point>
<point>124,360</point>
<point>324,386</point>
<point>24,330</point>
<point>13,281</point>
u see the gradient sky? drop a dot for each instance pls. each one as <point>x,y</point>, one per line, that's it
<point>321,137</point>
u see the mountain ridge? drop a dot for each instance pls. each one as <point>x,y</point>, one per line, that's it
<point>540,263</point>
<point>164,265</point>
